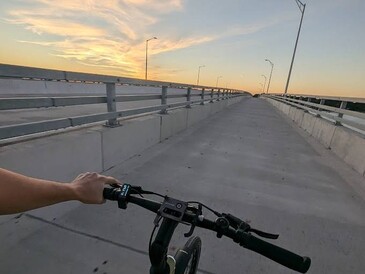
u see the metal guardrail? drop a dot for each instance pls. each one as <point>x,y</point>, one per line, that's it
<point>27,73</point>
<point>345,111</point>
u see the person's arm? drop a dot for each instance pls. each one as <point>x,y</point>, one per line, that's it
<point>20,193</point>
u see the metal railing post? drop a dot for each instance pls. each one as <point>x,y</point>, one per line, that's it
<point>202,96</point>
<point>211,96</point>
<point>188,97</point>
<point>111,103</point>
<point>219,92</point>
<point>340,115</point>
<point>164,100</point>
<point>322,102</point>
<point>343,106</point>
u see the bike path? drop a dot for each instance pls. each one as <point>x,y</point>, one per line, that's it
<point>248,160</point>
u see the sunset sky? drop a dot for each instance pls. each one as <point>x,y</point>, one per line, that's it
<point>232,38</point>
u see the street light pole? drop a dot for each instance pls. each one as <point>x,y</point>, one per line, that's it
<point>302,10</point>
<point>216,85</point>
<point>197,82</point>
<point>272,68</point>
<point>147,54</point>
<point>263,90</point>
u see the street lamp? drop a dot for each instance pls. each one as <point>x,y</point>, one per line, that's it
<point>263,90</point>
<point>302,10</point>
<point>147,54</point>
<point>272,68</point>
<point>197,82</point>
<point>262,85</point>
<point>216,85</point>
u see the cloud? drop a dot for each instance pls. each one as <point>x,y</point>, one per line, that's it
<point>108,33</point>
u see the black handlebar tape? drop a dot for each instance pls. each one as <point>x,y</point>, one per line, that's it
<point>275,253</point>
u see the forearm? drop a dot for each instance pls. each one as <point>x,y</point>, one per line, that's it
<point>19,193</point>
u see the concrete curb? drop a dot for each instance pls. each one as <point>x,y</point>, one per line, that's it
<point>345,143</point>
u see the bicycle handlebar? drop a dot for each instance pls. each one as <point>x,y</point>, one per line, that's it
<point>276,253</point>
<point>245,239</point>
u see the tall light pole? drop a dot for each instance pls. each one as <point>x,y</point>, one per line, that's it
<point>263,90</point>
<point>302,10</point>
<point>197,82</point>
<point>262,85</point>
<point>147,54</point>
<point>216,85</point>
<point>272,68</point>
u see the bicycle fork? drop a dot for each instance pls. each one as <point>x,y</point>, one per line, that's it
<point>160,262</point>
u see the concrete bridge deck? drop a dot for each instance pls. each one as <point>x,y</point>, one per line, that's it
<point>246,160</point>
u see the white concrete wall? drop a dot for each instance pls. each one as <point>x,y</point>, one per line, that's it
<point>63,156</point>
<point>173,122</point>
<point>134,136</point>
<point>345,143</point>
<point>58,157</point>
<point>350,147</point>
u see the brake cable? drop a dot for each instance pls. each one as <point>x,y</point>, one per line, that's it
<point>233,221</point>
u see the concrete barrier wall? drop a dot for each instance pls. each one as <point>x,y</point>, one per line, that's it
<point>63,156</point>
<point>131,138</point>
<point>345,143</point>
<point>58,157</point>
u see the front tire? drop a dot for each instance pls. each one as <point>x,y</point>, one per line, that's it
<point>187,258</point>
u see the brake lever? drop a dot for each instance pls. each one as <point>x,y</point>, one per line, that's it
<point>239,224</point>
<point>264,234</point>
<point>199,212</point>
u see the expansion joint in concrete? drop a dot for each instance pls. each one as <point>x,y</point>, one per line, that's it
<point>330,145</point>
<point>85,234</point>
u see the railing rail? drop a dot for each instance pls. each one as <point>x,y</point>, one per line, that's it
<point>27,73</point>
<point>21,72</point>
<point>320,97</point>
<point>335,109</point>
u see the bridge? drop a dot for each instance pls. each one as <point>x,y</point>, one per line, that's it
<point>292,165</point>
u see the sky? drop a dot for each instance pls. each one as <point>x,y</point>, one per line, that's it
<point>231,38</point>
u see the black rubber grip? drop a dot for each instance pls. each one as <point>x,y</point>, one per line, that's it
<point>275,253</point>
<point>109,194</point>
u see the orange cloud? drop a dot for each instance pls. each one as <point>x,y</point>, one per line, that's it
<point>108,33</point>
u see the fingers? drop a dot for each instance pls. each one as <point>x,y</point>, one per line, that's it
<point>108,180</point>
<point>105,179</point>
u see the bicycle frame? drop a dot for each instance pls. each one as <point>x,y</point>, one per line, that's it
<point>159,248</point>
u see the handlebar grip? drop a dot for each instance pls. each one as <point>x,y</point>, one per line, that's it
<point>109,194</point>
<point>275,253</point>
